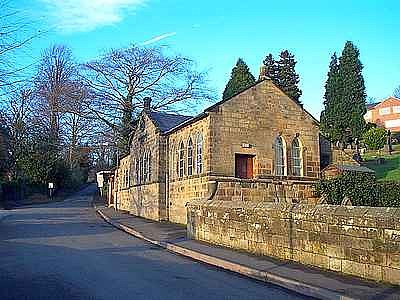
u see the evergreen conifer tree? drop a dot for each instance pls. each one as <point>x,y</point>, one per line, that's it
<point>352,92</point>
<point>345,100</point>
<point>241,78</point>
<point>288,79</point>
<point>332,117</point>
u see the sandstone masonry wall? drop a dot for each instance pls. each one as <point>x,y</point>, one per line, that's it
<point>144,197</point>
<point>183,189</point>
<point>255,118</point>
<point>268,190</point>
<point>360,241</point>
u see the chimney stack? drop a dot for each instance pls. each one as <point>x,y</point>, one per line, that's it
<point>147,102</point>
<point>263,73</point>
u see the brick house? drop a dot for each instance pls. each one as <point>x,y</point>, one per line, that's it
<point>258,145</point>
<point>385,114</point>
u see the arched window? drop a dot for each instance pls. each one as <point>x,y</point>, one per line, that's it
<point>199,153</point>
<point>137,170</point>
<point>181,159</point>
<point>177,160</point>
<point>149,162</point>
<point>172,162</point>
<point>190,157</point>
<point>145,161</point>
<point>297,162</point>
<point>280,157</point>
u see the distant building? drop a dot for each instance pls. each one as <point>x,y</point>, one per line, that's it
<point>385,114</point>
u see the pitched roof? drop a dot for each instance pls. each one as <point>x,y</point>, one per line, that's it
<point>371,105</point>
<point>391,98</point>
<point>165,121</point>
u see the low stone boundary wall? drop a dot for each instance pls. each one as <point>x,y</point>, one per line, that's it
<point>360,241</point>
<point>267,190</point>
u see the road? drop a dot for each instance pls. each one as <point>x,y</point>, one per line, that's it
<point>65,251</point>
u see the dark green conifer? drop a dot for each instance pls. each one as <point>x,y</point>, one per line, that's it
<point>241,78</point>
<point>288,79</point>
<point>353,92</point>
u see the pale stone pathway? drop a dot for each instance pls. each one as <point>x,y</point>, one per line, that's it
<point>347,286</point>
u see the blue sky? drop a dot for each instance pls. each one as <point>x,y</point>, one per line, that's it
<point>216,33</point>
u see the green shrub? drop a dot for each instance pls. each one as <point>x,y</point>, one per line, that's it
<point>389,193</point>
<point>361,188</point>
<point>375,138</point>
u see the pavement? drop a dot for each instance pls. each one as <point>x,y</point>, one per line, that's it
<point>308,281</point>
<point>65,250</point>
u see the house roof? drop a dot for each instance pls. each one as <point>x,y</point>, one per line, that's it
<point>391,98</point>
<point>165,121</point>
<point>372,105</point>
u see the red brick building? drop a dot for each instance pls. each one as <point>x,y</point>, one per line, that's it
<point>385,114</point>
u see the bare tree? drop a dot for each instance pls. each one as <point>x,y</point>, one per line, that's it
<point>122,78</point>
<point>15,34</point>
<point>79,126</point>
<point>53,85</point>
<point>396,92</point>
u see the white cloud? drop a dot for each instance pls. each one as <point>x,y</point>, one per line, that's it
<point>158,38</point>
<point>86,15</point>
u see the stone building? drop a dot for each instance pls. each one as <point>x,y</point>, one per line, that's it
<point>258,145</point>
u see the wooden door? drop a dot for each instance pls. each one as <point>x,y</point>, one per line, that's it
<point>244,166</point>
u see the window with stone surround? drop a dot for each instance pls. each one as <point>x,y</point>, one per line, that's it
<point>145,166</point>
<point>297,159</point>
<point>177,160</point>
<point>137,170</point>
<point>149,162</point>
<point>199,153</point>
<point>181,159</point>
<point>172,162</point>
<point>280,157</point>
<point>190,157</point>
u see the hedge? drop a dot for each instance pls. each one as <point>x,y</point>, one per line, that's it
<point>362,189</point>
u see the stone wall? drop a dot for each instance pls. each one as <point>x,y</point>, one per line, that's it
<point>268,190</point>
<point>341,157</point>
<point>250,122</point>
<point>144,197</point>
<point>142,201</point>
<point>360,241</point>
<point>188,187</point>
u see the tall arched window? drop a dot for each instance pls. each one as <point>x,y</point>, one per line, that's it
<point>145,167</point>
<point>297,162</point>
<point>149,162</point>
<point>190,157</point>
<point>172,162</point>
<point>137,170</point>
<point>181,159</point>
<point>142,169</point>
<point>280,157</point>
<point>177,160</point>
<point>199,153</point>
